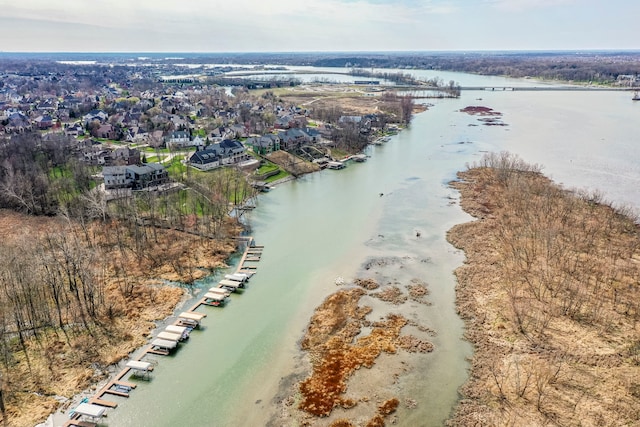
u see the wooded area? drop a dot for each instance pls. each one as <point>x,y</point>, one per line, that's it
<point>550,297</point>
<point>80,283</point>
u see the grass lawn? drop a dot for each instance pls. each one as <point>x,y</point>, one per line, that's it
<point>282,174</point>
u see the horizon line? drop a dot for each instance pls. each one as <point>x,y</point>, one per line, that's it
<point>560,50</point>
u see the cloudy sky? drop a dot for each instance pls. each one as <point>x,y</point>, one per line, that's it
<point>316,25</point>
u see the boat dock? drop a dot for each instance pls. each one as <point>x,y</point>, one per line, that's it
<point>166,341</point>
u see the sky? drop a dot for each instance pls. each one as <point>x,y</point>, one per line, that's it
<point>317,25</point>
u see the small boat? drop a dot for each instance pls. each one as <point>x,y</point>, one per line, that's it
<point>359,158</point>
<point>636,96</point>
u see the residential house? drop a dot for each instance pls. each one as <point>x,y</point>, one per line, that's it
<point>206,159</point>
<point>239,131</point>
<point>148,175</point>
<point>92,115</point>
<point>17,123</point>
<point>227,152</point>
<point>126,156</point>
<point>115,177</point>
<point>313,134</point>
<point>198,142</point>
<point>75,129</point>
<point>264,144</point>
<point>44,122</point>
<point>47,106</point>
<point>96,155</point>
<point>106,131</point>
<point>178,138</point>
<point>293,138</point>
<point>284,122</point>
<point>136,134</point>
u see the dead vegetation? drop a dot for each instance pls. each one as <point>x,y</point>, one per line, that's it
<point>551,300</point>
<point>77,298</point>
<point>292,164</point>
<point>336,350</point>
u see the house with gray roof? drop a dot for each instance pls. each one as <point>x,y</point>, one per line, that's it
<point>115,177</point>
<point>264,144</point>
<point>226,152</point>
<point>178,138</point>
<point>148,175</point>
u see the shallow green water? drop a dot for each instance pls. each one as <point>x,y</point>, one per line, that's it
<point>328,224</point>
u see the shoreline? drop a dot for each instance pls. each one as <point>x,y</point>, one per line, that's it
<point>544,353</point>
<point>68,366</point>
<point>60,416</point>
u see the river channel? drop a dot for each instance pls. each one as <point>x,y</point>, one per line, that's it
<point>327,225</point>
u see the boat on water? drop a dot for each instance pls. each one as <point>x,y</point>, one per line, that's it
<point>636,96</point>
<point>359,158</point>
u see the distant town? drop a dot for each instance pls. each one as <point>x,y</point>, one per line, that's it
<point>129,124</point>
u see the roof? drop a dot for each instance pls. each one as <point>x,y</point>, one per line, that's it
<point>192,315</point>
<point>90,410</point>
<point>205,156</point>
<point>215,296</point>
<point>114,170</point>
<point>231,283</point>
<point>164,343</point>
<point>145,169</point>
<point>220,291</point>
<point>176,329</point>
<point>138,365</point>
<point>169,336</point>
<point>238,277</point>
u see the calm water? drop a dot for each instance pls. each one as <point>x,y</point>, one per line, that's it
<point>326,225</point>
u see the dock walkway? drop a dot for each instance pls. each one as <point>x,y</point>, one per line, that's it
<point>121,388</point>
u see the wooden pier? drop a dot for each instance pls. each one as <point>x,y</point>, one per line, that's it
<point>121,388</point>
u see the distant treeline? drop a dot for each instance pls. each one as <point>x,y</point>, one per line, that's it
<point>585,66</point>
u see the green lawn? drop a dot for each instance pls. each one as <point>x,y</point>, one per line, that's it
<point>282,174</point>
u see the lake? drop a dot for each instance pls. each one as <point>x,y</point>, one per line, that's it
<point>327,225</point>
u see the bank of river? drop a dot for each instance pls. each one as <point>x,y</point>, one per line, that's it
<point>333,223</point>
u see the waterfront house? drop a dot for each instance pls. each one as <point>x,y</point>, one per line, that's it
<point>205,159</point>
<point>264,144</point>
<point>226,152</point>
<point>293,138</point>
